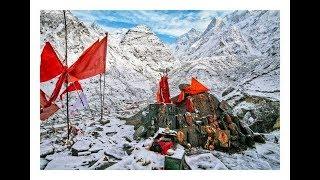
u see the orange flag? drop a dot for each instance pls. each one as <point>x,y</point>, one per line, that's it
<point>196,87</point>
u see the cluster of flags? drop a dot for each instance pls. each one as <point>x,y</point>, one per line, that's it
<point>163,93</point>
<point>91,63</point>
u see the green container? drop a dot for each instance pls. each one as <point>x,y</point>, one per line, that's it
<point>171,163</point>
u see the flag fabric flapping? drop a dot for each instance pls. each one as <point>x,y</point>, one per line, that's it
<point>92,62</point>
<point>46,110</point>
<point>50,65</point>
<point>81,102</point>
<point>196,87</point>
<point>72,87</point>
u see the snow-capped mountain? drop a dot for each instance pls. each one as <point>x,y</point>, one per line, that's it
<point>185,41</point>
<point>243,46</point>
<point>236,56</point>
<point>241,33</point>
<point>135,60</point>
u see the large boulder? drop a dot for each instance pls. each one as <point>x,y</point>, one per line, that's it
<point>80,146</point>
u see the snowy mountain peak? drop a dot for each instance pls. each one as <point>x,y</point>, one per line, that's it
<point>191,36</point>
<point>216,24</point>
<point>186,40</point>
<point>211,25</point>
<point>142,28</point>
<point>192,30</point>
<point>219,22</point>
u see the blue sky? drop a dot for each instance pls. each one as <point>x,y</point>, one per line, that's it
<point>168,25</point>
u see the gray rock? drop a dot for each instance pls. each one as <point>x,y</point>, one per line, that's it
<point>111,133</point>
<point>46,150</point>
<point>227,91</point>
<point>95,134</point>
<point>84,153</point>
<point>99,129</point>
<point>43,163</point>
<point>127,139</point>
<point>259,138</point>
<point>115,152</point>
<point>104,121</point>
<point>139,132</point>
<point>80,146</point>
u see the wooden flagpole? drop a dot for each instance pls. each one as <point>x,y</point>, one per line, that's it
<point>66,59</point>
<point>104,85</point>
<point>104,76</point>
<point>101,110</point>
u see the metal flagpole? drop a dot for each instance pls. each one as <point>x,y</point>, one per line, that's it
<point>66,59</point>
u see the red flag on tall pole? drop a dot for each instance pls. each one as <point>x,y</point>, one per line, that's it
<point>91,62</point>
<point>50,65</point>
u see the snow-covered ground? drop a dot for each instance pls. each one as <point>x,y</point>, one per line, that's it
<point>114,148</point>
<point>239,51</point>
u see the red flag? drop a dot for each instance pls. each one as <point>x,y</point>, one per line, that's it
<point>55,93</point>
<point>196,87</point>
<point>46,110</point>
<point>43,99</point>
<point>180,97</point>
<point>50,66</point>
<point>158,95</point>
<point>92,62</point>
<point>163,94</point>
<point>72,87</point>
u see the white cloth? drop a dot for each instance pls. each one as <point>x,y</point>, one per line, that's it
<point>81,102</point>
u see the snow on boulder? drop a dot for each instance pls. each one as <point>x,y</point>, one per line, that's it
<point>250,159</point>
<point>115,152</point>
<point>140,159</point>
<point>79,146</point>
<point>204,162</point>
<point>68,162</point>
<point>96,147</point>
<point>43,163</point>
<point>46,149</point>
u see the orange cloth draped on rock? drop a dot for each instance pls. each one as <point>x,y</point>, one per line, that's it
<point>195,88</point>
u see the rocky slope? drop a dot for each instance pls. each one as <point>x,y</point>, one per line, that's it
<point>237,57</point>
